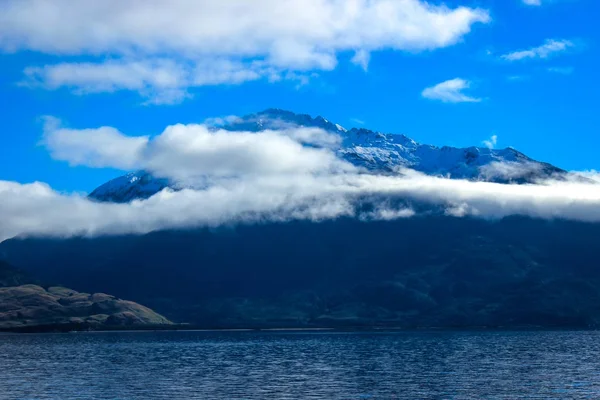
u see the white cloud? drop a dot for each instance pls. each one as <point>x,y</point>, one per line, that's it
<point>35,209</point>
<point>450,91</point>
<point>491,142</point>
<point>509,171</point>
<point>288,31</point>
<point>549,48</point>
<point>99,148</point>
<point>587,176</point>
<point>533,2</point>
<point>216,42</point>
<point>362,59</point>
<point>160,81</point>
<point>220,121</point>
<point>188,153</point>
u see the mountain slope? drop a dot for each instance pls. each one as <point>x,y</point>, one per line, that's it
<point>381,152</point>
<point>422,271</point>
<point>134,185</point>
<point>10,276</point>
<point>374,151</point>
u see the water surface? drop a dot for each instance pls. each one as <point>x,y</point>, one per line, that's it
<point>301,365</point>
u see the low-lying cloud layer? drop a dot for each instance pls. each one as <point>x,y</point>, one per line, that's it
<point>262,177</point>
<point>35,209</point>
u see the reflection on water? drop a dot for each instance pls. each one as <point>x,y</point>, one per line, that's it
<point>287,365</point>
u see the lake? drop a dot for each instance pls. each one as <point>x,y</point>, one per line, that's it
<point>301,365</point>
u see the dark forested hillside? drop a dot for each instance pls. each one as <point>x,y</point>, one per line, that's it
<point>422,271</point>
<point>10,276</point>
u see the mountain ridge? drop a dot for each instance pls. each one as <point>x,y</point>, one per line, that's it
<point>373,151</point>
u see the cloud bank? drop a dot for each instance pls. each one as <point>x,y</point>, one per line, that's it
<point>35,209</point>
<point>263,177</point>
<point>160,49</point>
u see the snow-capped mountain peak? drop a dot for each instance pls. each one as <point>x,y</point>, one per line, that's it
<point>371,150</point>
<point>275,118</point>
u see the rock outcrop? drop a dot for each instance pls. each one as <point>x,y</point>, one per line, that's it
<point>32,305</point>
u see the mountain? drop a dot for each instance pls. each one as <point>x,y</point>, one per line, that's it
<point>430,271</point>
<point>10,276</point>
<point>134,185</point>
<point>375,151</point>
<point>384,152</point>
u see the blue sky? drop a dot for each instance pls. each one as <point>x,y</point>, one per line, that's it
<point>541,100</point>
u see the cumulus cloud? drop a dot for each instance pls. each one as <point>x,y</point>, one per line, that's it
<point>101,147</point>
<point>450,91</point>
<point>549,48</point>
<point>216,42</point>
<point>491,142</point>
<point>190,152</point>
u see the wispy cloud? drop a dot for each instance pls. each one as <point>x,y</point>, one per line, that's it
<point>450,91</point>
<point>549,48</point>
<point>517,78</point>
<point>362,59</point>
<point>562,70</point>
<point>533,2</point>
<point>160,81</point>
<point>491,142</point>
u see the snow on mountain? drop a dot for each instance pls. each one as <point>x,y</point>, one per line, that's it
<point>135,185</point>
<point>385,152</point>
<point>274,118</point>
<point>375,151</point>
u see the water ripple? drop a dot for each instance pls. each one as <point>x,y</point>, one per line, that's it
<point>288,365</point>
